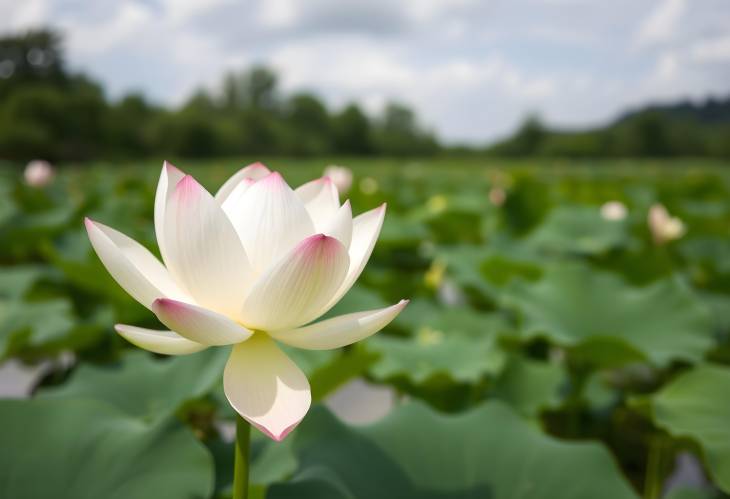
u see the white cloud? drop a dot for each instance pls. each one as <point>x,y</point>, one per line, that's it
<point>22,15</point>
<point>472,68</point>
<point>127,23</point>
<point>278,14</point>
<point>716,50</point>
<point>661,24</point>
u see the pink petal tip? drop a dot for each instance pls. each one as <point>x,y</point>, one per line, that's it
<point>170,167</point>
<point>187,188</point>
<point>276,438</point>
<point>170,307</point>
<point>318,246</point>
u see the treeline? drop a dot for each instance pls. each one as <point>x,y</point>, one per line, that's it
<point>683,129</point>
<point>48,112</point>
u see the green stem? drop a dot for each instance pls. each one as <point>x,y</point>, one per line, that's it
<point>654,468</point>
<point>241,465</point>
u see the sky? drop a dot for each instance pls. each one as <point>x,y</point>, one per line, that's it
<point>473,69</point>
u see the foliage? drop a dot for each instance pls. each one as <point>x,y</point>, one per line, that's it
<point>683,129</point>
<point>545,351</point>
<point>48,112</point>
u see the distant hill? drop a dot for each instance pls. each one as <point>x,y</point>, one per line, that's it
<point>681,129</point>
<point>710,112</point>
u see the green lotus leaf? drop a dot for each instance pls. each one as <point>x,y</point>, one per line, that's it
<point>709,251</point>
<point>578,229</point>
<point>25,231</point>
<point>17,280</point>
<point>690,493</point>
<point>487,269</point>
<point>611,322</point>
<point>599,393</point>
<point>462,265</point>
<point>417,453</point>
<point>400,232</point>
<point>42,327</point>
<point>458,342</point>
<point>696,405</point>
<point>143,386</point>
<point>86,449</point>
<point>430,354</point>
<point>530,386</point>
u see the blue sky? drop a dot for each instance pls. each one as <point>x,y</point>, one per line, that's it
<point>471,68</point>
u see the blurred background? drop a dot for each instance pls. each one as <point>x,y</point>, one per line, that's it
<point>570,78</point>
<point>556,173</point>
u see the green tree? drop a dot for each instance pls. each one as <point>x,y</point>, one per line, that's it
<point>129,126</point>
<point>31,57</point>
<point>309,127</point>
<point>352,132</point>
<point>254,88</point>
<point>399,133</point>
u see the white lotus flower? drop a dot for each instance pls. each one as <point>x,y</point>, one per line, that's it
<point>497,196</point>
<point>614,211</point>
<point>255,263</point>
<point>663,226</point>
<point>341,176</point>
<point>38,173</point>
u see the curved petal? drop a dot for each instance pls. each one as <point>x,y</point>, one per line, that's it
<point>340,331</point>
<point>164,342</point>
<point>265,387</point>
<point>321,199</point>
<point>340,225</point>
<point>232,204</point>
<point>294,291</point>
<point>169,177</point>
<point>365,232</point>
<point>199,324</point>
<point>205,253</point>
<point>136,270</point>
<point>254,172</point>
<point>270,220</point>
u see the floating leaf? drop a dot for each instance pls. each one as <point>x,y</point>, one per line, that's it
<point>430,354</point>
<point>530,385</point>
<point>16,281</point>
<point>696,405</point>
<point>578,229</point>
<point>486,270</point>
<point>611,322</point>
<point>86,449</point>
<point>42,326</point>
<point>690,493</point>
<point>417,453</point>
<point>146,387</point>
<point>458,342</point>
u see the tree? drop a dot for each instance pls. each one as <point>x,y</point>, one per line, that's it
<point>399,133</point>
<point>309,127</point>
<point>352,132</point>
<point>254,88</point>
<point>31,57</point>
<point>129,126</point>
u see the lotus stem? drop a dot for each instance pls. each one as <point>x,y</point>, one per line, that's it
<point>654,469</point>
<point>242,456</point>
